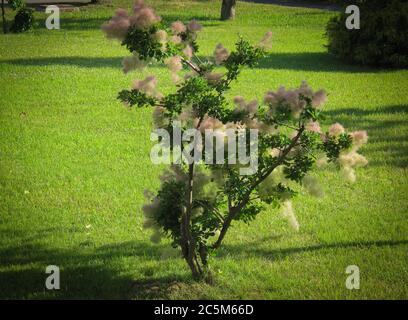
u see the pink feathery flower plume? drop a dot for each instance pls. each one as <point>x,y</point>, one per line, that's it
<point>213,77</point>
<point>359,138</point>
<point>220,54</point>
<point>175,65</point>
<point>266,41</point>
<point>194,26</point>
<point>143,16</point>
<point>314,126</point>
<point>178,27</point>
<point>188,51</point>
<point>175,39</point>
<point>336,129</point>
<point>118,26</point>
<point>148,85</point>
<point>132,63</point>
<point>161,35</point>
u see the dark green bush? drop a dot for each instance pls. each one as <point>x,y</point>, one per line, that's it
<point>23,20</point>
<point>382,39</point>
<point>16,4</point>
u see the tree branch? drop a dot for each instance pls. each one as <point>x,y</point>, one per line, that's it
<point>191,65</point>
<point>236,209</point>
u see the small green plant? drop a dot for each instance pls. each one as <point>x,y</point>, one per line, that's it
<point>382,39</point>
<point>198,201</point>
<point>23,20</point>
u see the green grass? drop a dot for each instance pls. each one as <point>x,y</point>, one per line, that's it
<point>71,156</point>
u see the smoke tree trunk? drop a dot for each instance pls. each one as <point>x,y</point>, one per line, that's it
<point>188,244</point>
<point>228,9</point>
<point>190,254</point>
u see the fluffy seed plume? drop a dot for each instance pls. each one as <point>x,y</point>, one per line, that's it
<point>359,138</point>
<point>348,174</point>
<point>132,63</point>
<point>213,77</point>
<point>312,186</point>
<point>266,41</point>
<point>188,52</point>
<point>314,126</point>
<point>117,27</point>
<point>161,36</point>
<point>175,39</point>
<point>289,213</point>
<point>194,26</point>
<point>148,85</point>
<point>319,98</point>
<point>336,129</point>
<point>220,54</point>
<point>174,64</point>
<point>178,27</point>
<point>143,16</point>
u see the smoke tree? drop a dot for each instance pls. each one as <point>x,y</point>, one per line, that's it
<point>198,202</point>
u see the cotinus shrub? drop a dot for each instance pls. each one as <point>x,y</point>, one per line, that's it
<point>205,189</point>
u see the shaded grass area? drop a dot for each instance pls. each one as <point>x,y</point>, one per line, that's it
<point>316,4</point>
<point>74,164</point>
<point>306,61</point>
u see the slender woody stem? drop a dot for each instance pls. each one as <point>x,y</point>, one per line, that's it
<point>234,210</point>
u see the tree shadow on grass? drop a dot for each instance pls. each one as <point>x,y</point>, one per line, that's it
<point>254,249</point>
<point>291,61</point>
<point>83,62</point>
<point>98,272</point>
<point>312,61</point>
<point>300,4</point>
<point>86,272</point>
<point>77,24</point>
<point>309,61</point>
<point>204,20</point>
<point>387,127</point>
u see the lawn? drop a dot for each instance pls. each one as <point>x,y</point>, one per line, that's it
<point>74,163</point>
